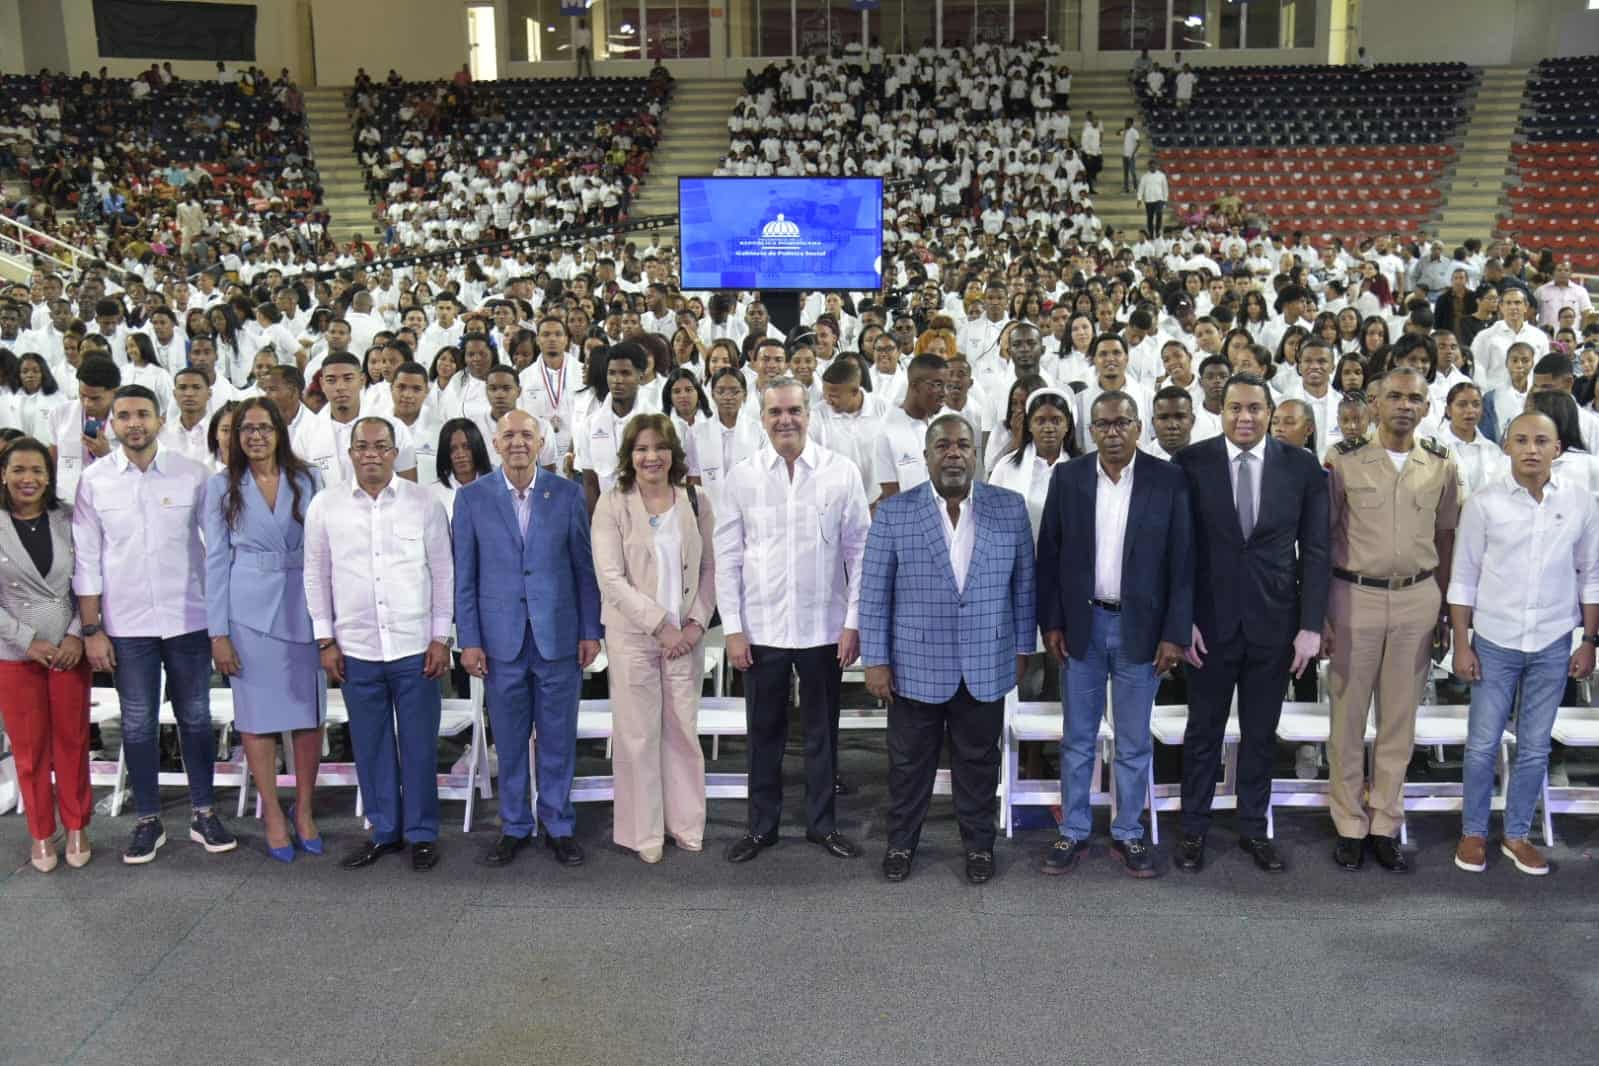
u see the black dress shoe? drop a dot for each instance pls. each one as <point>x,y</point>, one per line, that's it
<point>748,846</point>
<point>567,851</point>
<point>897,864</point>
<point>1350,852</point>
<point>1264,852</point>
<point>1062,856</point>
<point>979,867</point>
<point>836,844</point>
<point>840,788</point>
<point>369,853</point>
<point>424,855</point>
<point>1191,854</point>
<point>1137,856</point>
<point>1386,851</point>
<point>503,851</point>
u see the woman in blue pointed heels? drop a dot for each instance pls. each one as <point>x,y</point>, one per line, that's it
<point>260,629</point>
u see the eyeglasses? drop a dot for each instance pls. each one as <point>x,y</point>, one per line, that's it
<point>362,447</point>
<point>254,430</point>
<point>1118,426</point>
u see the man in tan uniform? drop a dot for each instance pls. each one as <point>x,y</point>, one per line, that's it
<point>1394,504</point>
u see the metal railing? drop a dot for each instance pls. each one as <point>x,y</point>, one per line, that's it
<point>25,240</point>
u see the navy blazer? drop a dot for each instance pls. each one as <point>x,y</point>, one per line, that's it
<point>505,582</point>
<point>1275,584</point>
<point>915,620</point>
<point>1157,592</point>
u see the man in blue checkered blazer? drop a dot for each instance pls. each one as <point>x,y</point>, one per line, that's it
<point>946,613</point>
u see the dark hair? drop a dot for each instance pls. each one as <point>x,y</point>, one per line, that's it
<point>290,465</point>
<point>729,372</point>
<point>1408,345</point>
<point>1282,346</point>
<point>842,371</point>
<point>344,359</point>
<point>660,352</point>
<point>146,348</point>
<point>1213,360</point>
<point>1555,365</point>
<point>442,467</point>
<point>1338,370</point>
<point>662,424</point>
<point>632,351</point>
<point>1456,390</point>
<point>1562,411</point>
<point>211,444</point>
<point>47,380</point>
<point>194,371</point>
<point>136,392</point>
<point>1068,441</point>
<point>1252,380</point>
<point>293,375</point>
<point>410,367</point>
<point>702,404</point>
<point>28,444</point>
<point>1171,392</point>
<point>454,353</point>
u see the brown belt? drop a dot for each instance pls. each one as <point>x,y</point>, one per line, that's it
<point>1390,583</point>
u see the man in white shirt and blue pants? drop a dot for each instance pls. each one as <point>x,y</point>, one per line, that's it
<point>1526,572</point>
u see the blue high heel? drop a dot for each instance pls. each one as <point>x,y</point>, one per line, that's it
<point>283,854</point>
<point>312,846</point>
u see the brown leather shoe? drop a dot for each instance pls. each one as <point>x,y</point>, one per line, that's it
<point>1472,854</point>
<point>1528,859</point>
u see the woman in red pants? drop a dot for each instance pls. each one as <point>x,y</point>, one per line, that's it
<point>44,679</point>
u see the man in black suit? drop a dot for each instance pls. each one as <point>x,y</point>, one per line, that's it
<point>1115,595</point>
<point>1260,598</point>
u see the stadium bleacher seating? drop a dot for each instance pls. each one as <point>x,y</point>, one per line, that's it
<point>1556,203</point>
<point>1336,151</point>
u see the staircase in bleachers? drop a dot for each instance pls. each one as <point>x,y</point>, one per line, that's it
<point>1333,151</point>
<point>693,138</point>
<point>1475,187</point>
<point>344,193</point>
<point>1555,204</point>
<point>1109,96</point>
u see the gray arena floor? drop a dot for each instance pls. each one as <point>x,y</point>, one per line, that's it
<point>796,957</point>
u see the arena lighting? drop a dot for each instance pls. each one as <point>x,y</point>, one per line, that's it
<point>644,224</point>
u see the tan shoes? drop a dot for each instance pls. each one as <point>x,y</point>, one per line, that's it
<point>651,855</point>
<point>43,856</point>
<point>78,850</point>
<point>1472,854</point>
<point>1528,859</point>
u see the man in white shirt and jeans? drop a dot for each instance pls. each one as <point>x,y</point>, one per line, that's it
<point>789,543</point>
<point>140,580</point>
<point>1526,571</point>
<point>380,586</point>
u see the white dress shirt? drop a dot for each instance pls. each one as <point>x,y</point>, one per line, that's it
<point>1030,478</point>
<point>960,537</point>
<point>598,437</point>
<point>137,539</point>
<point>379,573</point>
<point>521,502</point>
<point>1479,461</point>
<point>854,436</point>
<point>189,443</point>
<point>1525,567</point>
<point>1489,346</point>
<point>900,451</point>
<point>1112,502</point>
<point>789,548</point>
<point>1259,468</point>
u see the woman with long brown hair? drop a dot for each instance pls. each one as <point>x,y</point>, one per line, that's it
<point>260,627</point>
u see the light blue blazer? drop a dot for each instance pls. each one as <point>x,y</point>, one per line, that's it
<point>505,583</point>
<point>255,573</point>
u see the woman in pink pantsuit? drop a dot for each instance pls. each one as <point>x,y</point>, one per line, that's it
<point>652,557</point>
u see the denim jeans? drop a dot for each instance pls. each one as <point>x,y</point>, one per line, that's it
<point>187,659</point>
<point>1133,687</point>
<point>1540,676</point>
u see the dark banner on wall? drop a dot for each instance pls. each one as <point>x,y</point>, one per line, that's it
<point>151,29</point>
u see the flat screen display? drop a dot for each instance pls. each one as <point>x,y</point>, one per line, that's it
<point>781,233</point>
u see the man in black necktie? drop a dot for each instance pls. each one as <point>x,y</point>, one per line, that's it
<point>1260,597</point>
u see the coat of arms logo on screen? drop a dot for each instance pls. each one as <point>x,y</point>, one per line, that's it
<point>780,227</point>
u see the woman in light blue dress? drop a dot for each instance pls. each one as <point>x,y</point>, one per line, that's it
<point>260,628</point>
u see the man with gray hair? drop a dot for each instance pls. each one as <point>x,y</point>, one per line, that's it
<point>790,532</point>
<point>944,635</point>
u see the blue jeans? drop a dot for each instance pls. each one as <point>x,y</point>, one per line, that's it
<point>187,659</point>
<point>399,781</point>
<point>1541,678</point>
<point>1132,699</point>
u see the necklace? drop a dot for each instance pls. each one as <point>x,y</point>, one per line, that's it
<point>656,519</point>
<point>30,524</point>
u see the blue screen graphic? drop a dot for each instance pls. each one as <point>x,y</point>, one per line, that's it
<point>781,233</point>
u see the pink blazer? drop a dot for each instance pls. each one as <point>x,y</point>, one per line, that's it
<point>624,562</point>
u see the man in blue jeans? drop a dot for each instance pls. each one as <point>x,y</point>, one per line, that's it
<point>140,580</point>
<point>1526,572</point>
<point>1115,603</point>
<point>380,587</point>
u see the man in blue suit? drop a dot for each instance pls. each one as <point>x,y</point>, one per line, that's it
<point>946,617</point>
<point>1116,603</point>
<point>527,611</point>
<point>1261,572</point>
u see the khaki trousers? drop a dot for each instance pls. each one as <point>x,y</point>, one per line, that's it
<point>658,767</point>
<point>1382,645</point>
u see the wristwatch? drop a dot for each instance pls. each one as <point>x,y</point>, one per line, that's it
<point>1591,638</point>
<point>93,630</point>
<point>325,643</point>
